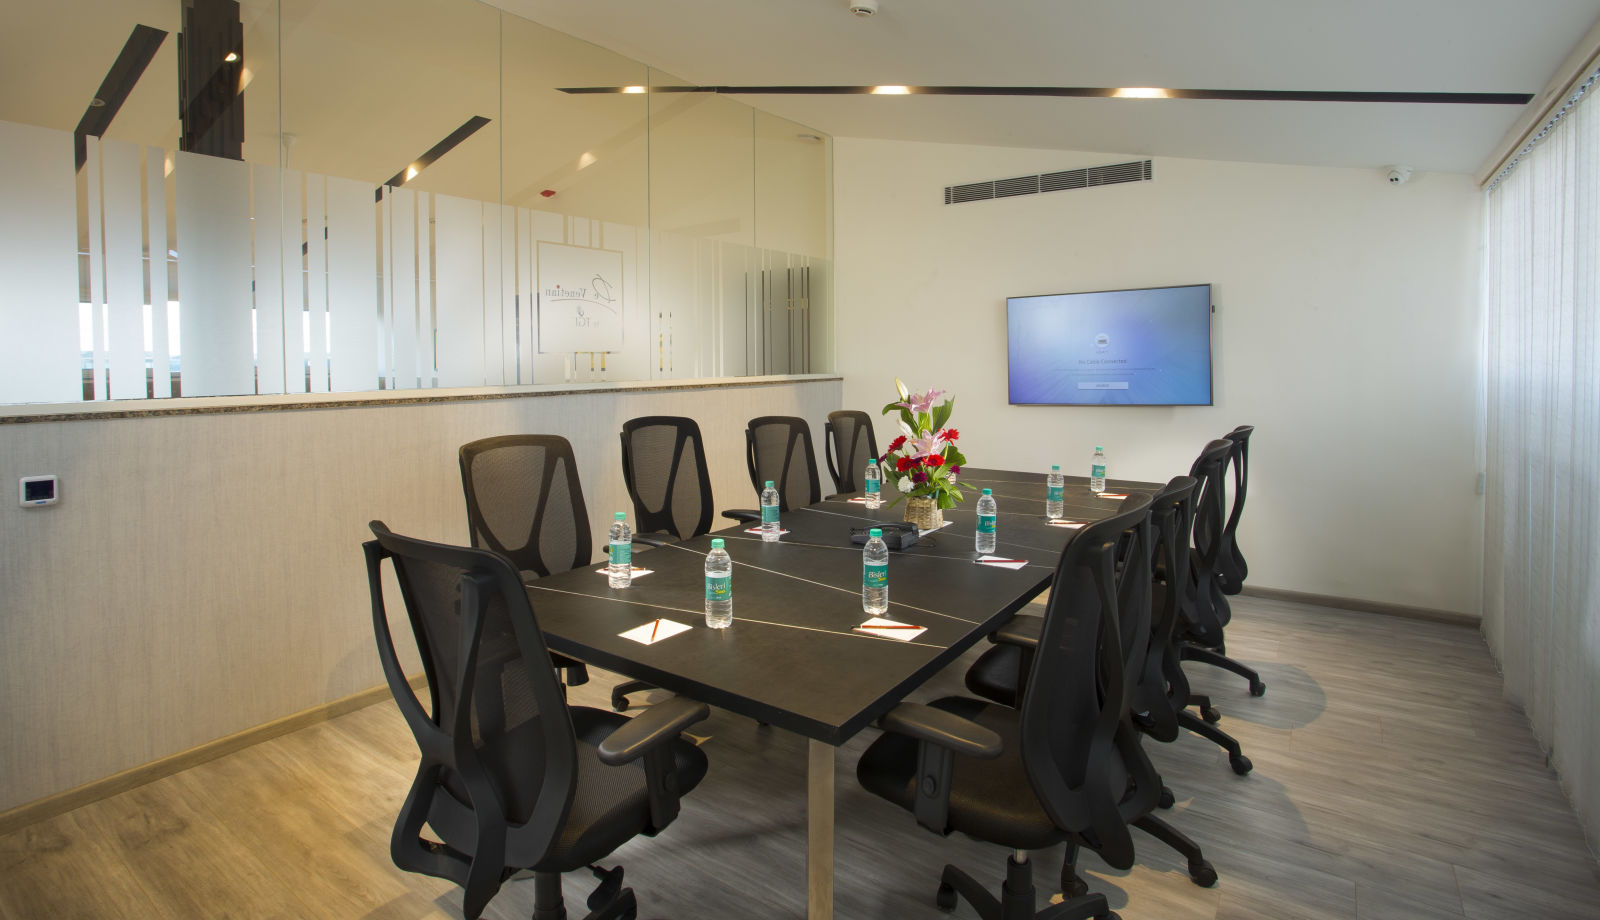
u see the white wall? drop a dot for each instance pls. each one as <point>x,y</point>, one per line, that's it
<point>202,574</point>
<point>1346,331</point>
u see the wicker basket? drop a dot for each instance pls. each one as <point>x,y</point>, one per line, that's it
<point>924,512</point>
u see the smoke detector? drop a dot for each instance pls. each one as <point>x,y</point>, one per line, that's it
<point>1397,175</point>
<point>863,8</point>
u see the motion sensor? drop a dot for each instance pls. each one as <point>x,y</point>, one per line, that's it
<point>863,8</point>
<point>1398,175</point>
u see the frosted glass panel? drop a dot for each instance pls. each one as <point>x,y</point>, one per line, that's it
<point>39,296</point>
<point>458,231</point>
<point>353,292</point>
<point>215,274</point>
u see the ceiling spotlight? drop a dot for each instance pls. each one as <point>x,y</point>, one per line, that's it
<point>1140,92</point>
<point>232,56</point>
<point>863,8</point>
<point>890,91</point>
<point>633,89</point>
<point>411,173</point>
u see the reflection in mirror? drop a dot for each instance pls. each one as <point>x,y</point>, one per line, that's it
<point>422,208</point>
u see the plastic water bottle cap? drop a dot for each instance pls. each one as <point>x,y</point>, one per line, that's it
<point>621,516</point>
<point>769,483</point>
<point>1055,467</point>
<point>1098,447</point>
<point>716,543</point>
<point>876,532</point>
<point>988,491</point>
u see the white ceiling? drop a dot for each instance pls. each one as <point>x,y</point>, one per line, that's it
<point>1351,45</point>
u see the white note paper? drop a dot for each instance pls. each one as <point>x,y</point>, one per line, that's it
<point>889,629</point>
<point>1001,563</point>
<point>654,631</point>
<point>605,569</point>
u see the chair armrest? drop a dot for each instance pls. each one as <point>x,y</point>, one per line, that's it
<point>654,726</point>
<point>743,517</point>
<point>947,730</point>
<point>652,539</point>
<point>1022,632</point>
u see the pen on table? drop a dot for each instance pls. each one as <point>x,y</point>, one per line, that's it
<point>888,626</point>
<point>654,628</point>
<point>1002,560</point>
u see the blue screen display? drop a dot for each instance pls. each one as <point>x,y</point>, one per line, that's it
<point>1147,347</point>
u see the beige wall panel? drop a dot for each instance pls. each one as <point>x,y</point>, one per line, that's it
<point>243,597</point>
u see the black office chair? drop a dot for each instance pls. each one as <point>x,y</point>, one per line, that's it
<point>664,469</point>
<point>512,778</point>
<point>778,450</point>
<point>848,446</point>
<point>1232,569</point>
<point>1055,770</point>
<point>524,501</point>
<point>1201,633</point>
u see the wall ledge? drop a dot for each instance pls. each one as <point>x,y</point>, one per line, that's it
<point>301,402</point>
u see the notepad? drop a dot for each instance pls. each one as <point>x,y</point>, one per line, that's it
<point>605,569</point>
<point>654,631</point>
<point>757,530</point>
<point>860,500</point>
<point>1000,563</point>
<point>889,629</point>
<point>1113,495</point>
<point>1062,523</point>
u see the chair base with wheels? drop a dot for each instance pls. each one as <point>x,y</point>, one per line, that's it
<point>1017,895</point>
<point>1217,657</point>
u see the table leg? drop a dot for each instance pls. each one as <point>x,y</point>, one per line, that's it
<point>819,831</point>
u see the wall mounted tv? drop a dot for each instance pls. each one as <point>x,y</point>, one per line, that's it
<point>1145,347</point>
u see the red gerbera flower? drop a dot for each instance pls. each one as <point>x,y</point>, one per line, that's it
<point>897,443</point>
<point>934,460</point>
<point>949,434</point>
<point>905,463</point>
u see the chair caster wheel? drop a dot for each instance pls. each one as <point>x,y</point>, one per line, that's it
<point>1257,688</point>
<point>1211,714</point>
<point>1240,764</point>
<point>1113,915</point>
<point>1075,888</point>
<point>946,898</point>
<point>619,704</point>
<point>1167,798</point>
<point>1201,873</point>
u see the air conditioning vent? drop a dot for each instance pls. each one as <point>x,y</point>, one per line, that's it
<point>1114,174</point>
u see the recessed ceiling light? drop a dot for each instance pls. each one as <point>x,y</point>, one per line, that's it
<point>890,91</point>
<point>97,103</point>
<point>411,173</point>
<point>633,89</point>
<point>586,161</point>
<point>1140,92</point>
<point>232,56</point>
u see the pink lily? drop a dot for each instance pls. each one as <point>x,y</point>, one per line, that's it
<point>921,402</point>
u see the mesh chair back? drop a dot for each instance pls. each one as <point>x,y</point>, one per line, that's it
<point>498,768</point>
<point>778,449</point>
<point>848,447</point>
<point>1208,611</point>
<point>1163,683</point>
<point>664,468</point>
<point>1076,697</point>
<point>524,502</point>
<point>1230,561</point>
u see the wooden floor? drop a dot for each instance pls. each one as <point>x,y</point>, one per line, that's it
<point>1391,781</point>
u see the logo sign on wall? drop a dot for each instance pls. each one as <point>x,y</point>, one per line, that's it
<point>580,299</point>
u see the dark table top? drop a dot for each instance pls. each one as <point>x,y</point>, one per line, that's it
<point>792,658</point>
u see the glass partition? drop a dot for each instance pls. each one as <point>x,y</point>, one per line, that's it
<point>352,195</point>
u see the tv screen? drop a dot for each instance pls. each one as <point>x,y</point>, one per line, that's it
<point>1146,347</point>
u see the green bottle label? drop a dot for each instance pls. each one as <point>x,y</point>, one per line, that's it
<point>1052,494</point>
<point>1097,471</point>
<point>622,554</point>
<point>719,589</point>
<point>769,514</point>
<point>985,523</point>
<point>875,576</point>
<point>873,485</point>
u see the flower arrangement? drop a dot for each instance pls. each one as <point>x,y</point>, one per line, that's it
<point>924,462</point>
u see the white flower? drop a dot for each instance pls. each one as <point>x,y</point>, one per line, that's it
<point>904,484</point>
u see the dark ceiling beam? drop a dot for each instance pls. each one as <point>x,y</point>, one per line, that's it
<point>467,129</point>
<point>1092,92</point>
<point>137,53</point>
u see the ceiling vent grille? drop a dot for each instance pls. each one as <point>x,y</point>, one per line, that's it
<point>1114,174</point>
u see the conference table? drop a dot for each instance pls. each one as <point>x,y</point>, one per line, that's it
<point>794,657</point>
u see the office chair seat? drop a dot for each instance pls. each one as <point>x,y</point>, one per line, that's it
<point>610,804</point>
<point>990,800</point>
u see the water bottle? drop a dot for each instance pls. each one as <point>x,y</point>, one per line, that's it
<point>621,571</point>
<point>872,482</point>
<point>988,511</point>
<point>1054,508</point>
<point>1097,471</point>
<point>719,587</point>
<point>875,575</point>
<point>769,514</point>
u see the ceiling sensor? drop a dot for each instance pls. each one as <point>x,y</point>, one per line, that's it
<point>863,8</point>
<point>1398,175</point>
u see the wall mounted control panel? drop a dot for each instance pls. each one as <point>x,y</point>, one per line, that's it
<point>33,491</point>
